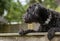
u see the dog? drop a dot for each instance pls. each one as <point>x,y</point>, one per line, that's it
<point>47,18</point>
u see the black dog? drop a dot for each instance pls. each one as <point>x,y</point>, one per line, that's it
<point>49,20</point>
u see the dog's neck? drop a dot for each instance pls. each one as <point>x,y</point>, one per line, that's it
<point>48,19</point>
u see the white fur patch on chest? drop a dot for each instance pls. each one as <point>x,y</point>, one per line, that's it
<point>48,19</point>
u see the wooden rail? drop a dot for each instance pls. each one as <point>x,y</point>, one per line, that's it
<point>29,34</point>
<point>28,37</point>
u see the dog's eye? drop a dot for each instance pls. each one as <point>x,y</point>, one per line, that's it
<point>34,4</point>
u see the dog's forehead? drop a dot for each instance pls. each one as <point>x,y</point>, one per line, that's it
<point>33,7</point>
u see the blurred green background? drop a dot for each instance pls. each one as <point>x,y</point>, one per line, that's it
<point>12,10</point>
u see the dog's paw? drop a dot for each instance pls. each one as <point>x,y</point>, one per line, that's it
<point>51,34</point>
<point>22,32</point>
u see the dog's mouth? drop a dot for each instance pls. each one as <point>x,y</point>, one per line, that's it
<point>27,21</point>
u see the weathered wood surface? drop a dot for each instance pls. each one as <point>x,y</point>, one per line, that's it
<point>28,37</point>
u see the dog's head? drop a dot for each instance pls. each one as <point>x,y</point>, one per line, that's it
<point>35,13</point>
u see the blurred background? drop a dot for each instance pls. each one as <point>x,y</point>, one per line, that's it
<point>11,12</point>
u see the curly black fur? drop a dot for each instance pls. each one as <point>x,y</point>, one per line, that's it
<point>49,20</point>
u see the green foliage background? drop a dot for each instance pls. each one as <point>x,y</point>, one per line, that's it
<point>15,10</point>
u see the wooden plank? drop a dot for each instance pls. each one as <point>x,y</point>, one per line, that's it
<point>9,34</point>
<point>29,34</point>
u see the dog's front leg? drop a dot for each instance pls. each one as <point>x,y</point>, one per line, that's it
<point>51,32</point>
<point>26,31</point>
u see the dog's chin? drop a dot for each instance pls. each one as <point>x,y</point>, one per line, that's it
<point>28,21</point>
